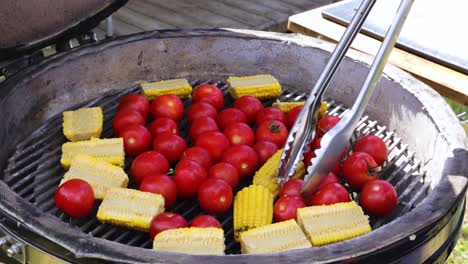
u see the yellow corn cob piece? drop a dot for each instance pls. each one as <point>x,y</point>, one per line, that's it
<point>263,86</point>
<point>130,208</point>
<point>323,109</point>
<point>266,175</point>
<point>101,175</point>
<point>110,150</point>
<point>327,224</point>
<point>82,124</point>
<point>253,207</point>
<point>193,240</point>
<point>179,87</point>
<point>273,238</point>
<point>285,107</point>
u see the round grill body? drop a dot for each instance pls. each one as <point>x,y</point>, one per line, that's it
<point>430,153</point>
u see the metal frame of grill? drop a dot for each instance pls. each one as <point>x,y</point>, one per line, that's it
<point>432,213</point>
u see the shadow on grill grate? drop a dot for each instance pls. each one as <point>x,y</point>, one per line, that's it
<point>34,171</point>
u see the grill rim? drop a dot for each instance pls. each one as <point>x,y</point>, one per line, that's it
<point>92,247</point>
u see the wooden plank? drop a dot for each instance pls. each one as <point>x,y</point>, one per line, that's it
<point>308,4</point>
<point>447,82</point>
<point>161,13</point>
<point>122,28</point>
<point>140,20</point>
<point>193,14</point>
<point>232,12</point>
<point>281,6</point>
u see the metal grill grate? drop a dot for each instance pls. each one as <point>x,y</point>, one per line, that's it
<point>34,171</point>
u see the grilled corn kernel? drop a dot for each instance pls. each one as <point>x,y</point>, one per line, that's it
<point>101,175</point>
<point>193,240</point>
<point>266,175</point>
<point>110,150</point>
<point>273,238</point>
<point>323,109</point>
<point>130,208</point>
<point>263,86</point>
<point>82,124</point>
<point>179,87</point>
<point>285,107</point>
<point>253,207</point>
<point>327,224</point>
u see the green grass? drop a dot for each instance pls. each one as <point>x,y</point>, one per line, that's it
<point>457,107</point>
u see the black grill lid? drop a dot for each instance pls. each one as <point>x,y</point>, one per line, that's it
<point>32,24</point>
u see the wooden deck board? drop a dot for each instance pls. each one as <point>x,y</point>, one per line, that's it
<point>143,15</point>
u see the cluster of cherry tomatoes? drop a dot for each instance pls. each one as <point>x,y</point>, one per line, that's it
<point>359,170</point>
<point>222,148</point>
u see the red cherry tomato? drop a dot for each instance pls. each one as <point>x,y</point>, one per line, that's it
<point>315,144</point>
<point>169,106</point>
<point>378,197</point>
<point>165,221</point>
<point>202,125</point>
<point>225,171</point>
<point>205,221</point>
<point>286,208</point>
<point>170,145</point>
<point>161,184</point>
<point>307,158</point>
<point>358,169</point>
<point>243,157</point>
<point>292,188</point>
<point>330,194</point>
<point>269,114</point>
<point>337,169</point>
<point>265,150</point>
<point>75,197</point>
<point>199,155</point>
<point>326,123</point>
<point>330,178</point>
<point>136,102</point>
<point>214,142</point>
<point>201,109</point>
<point>239,134</point>
<point>126,118</point>
<point>250,105</point>
<point>374,146</point>
<point>292,115</point>
<point>273,131</point>
<point>137,139</point>
<point>148,163</point>
<point>229,116</point>
<point>161,125</point>
<point>188,177</point>
<point>215,196</point>
<point>210,94</point>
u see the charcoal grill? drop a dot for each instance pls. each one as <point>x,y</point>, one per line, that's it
<point>427,163</point>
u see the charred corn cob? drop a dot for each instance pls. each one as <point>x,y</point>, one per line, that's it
<point>179,87</point>
<point>326,224</point>
<point>285,107</point>
<point>253,207</point>
<point>263,86</point>
<point>273,238</point>
<point>101,175</point>
<point>266,175</point>
<point>130,208</point>
<point>323,109</point>
<point>82,124</point>
<point>193,240</point>
<point>110,150</point>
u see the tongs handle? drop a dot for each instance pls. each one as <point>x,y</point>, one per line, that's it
<point>335,140</point>
<point>302,131</point>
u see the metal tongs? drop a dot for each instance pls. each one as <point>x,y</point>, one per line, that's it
<point>334,141</point>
